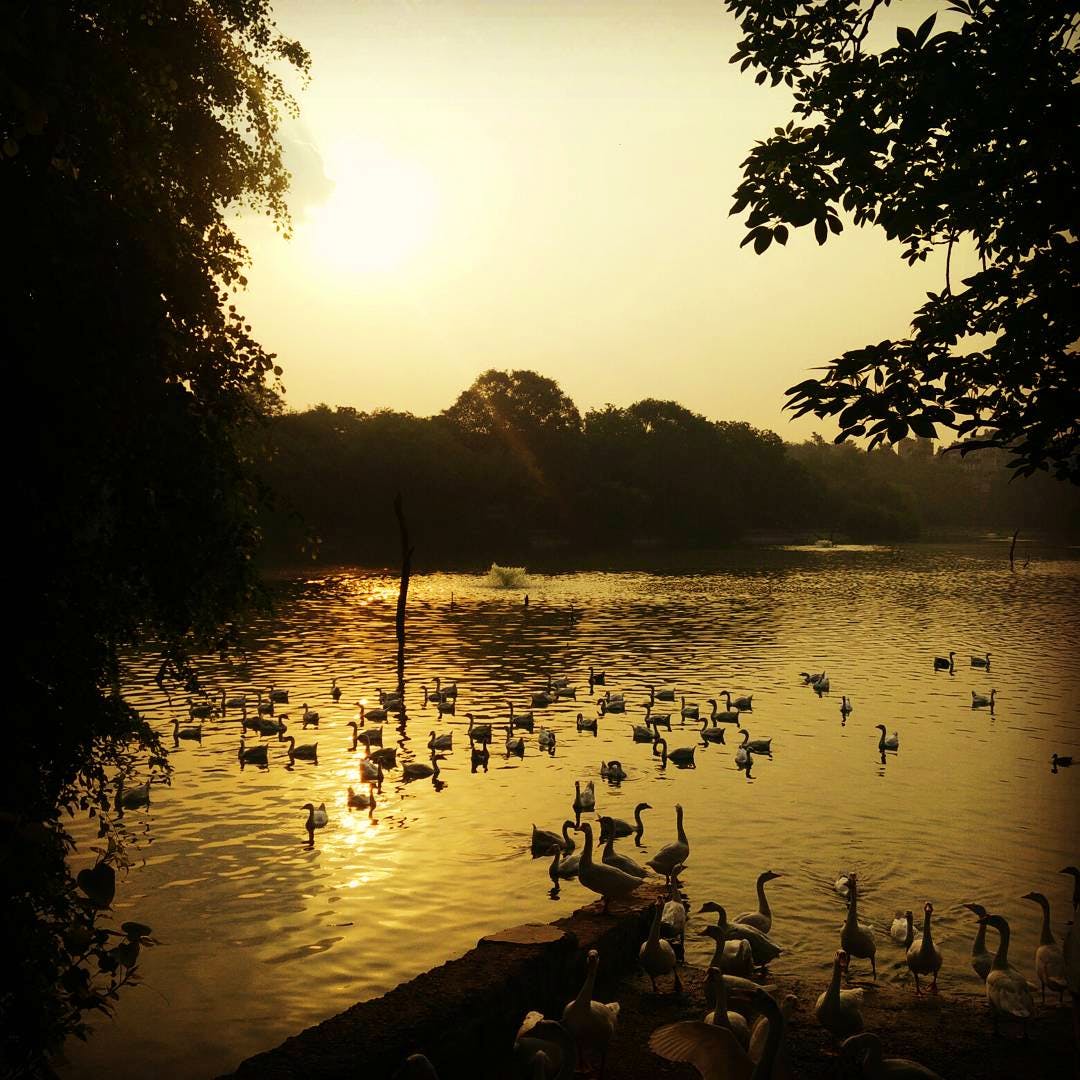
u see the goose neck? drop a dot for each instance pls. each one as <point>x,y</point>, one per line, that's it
<point>764,1068</point>
<point>763,903</point>
<point>1046,937</point>
<point>1001,957</point>
<point>978,946</point>
<point>679,830</point>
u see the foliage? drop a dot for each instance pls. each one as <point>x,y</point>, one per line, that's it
<point>951,135</point>
<point>130,131</point>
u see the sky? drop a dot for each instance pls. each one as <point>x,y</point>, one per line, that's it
<point>546,185</point>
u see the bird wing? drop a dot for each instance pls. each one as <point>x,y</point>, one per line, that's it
<point>1013,998</point>
<point>713,1051</point>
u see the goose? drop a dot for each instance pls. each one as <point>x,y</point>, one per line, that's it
<point>599,678</point>
<point>591,1023</point>
<point>309,716</point>
<point>479,756</point>
<point>546,740</point>
<point>682,756</point>
<point>744,759</point>
<point>865,1050</point>
<point>371,772</point>
<point>317,818</point>
<point>838,1010</point>
<point>235,702</point>
<point>655,695</point>
<point>843,885</point>
<point>609,881</point>
<point>355,734</point>
<point>756,746</point>
<point>656,956</point>
<point>544,1049</point>
<point>522,722</point>
<point>616,706</point>
<point>617,827</point>
<point>981,701</point>
<point>613,699</point>
<point>657,720</point>
<point>480,733</point>
<point>855,939</point>
<point>923,956</point>
<point>432,697</point>
<point>306,752</point>
<point>942,663</point>
<point>392,701</point>
<point>902,930</point>
<point>612,770</point>
<point>201,711</point>
<point>845,706</point>
<point>447,691</point>
<point>1074,873</point>
<point>716,997</point>
<point>542,699</point>
<point>809,679</point>
<point>263,708</point>
<point>253,755</point>
<point>565,692</point>
<point>821,686</point>
<point>1057,761</point>
<point>884,743</point>
<point>741,704</point>
<point>584,800</point>
<point>335,690</point>
<point>366,714</point>
<point>587,725</point>
<point>514,745</point>
<point>279,697</point>
<point>441,742</point>
<point>674,854</point>
<point>723,716</point>
<point>372,736</point>
<point>641,733</point>
<point>264,727</point>
<point>546,843</point>
<point>711,734</point>
<point>447,707</point>
<point>762,918</point>
<point>385,756</point>
<point>981,957</point>
<point>417,770</point>
<point>733,957</point>
<point>715,1051</point>
<point>688,712</point>
<point>1049,957</point>
<point>132,798</point>
<point>418,1067</point>
<point>612,858</point>
<point>187,732</point>
<point>981,661</point>
<point>673,917</point>
<point>762,947</point>
<point>359,800</point>
<point>1007,990</point>
<point>557,684</point>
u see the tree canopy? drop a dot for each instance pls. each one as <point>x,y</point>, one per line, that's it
<point>130,134</point>
<point>961,131</point>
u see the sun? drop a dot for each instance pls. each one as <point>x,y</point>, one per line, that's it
<point>379,215</point>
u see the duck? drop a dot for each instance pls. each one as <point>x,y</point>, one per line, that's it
<point>674,854</point>
<point>380,715</point>
<point>733,957</point>
<point>587,725</point>
<point>584,799</point>
<point>838,1010</point>
<point>845,706</point>
<point>309,716</point>
<point>982,701</point>
<point>186,732</point>
<point>279,697</point>
<point>591,1023</point>
<point>757,746</point>
<point>981,661</point>
<point>719,1014</point>
<point>546,843</point>
<point>762,947</point>
<point>865,1050</point>
<point>715,1051</point>
<point>609,882</point>
<point>514,744</point>
<point>656,955</point>
<point>688,712</point>
<point>1049,957</point>
<point>942,663</point>
<point>657,720</point>
<point>371,772</point>
<point>613,858</point>
<point>665,694</point>
<point>612,770</point>
<point>335,690</point>
<point>253,755</point>
<point>741,704</point>
<point>855,939</point>
<point>417,770</point>
<point>619,828</point>
<point>723,716</point>
<point>546,740</point>
<point>441,742</point>
<point>1074,873</point>
<point>762,918</point>
<point>711,734</point>
<point>902,930</point>
<point>884,743</point>
<point>923,956</point>
<point>306,752</point>
<point>522,721</point>
<point>317,818</point>
<point>544,1049</point>
<point>683,756</point>
<point>480,733</point>
<point>131,798</point>
<point>359,800</point>
<point>1007,990</point>
<point>598,678</point>
<point>981,957</point>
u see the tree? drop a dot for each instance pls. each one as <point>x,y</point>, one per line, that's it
<point>967,135</point>
<point>129,132</point>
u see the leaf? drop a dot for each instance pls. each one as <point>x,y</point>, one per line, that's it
<point>99,884</point>
<point>821,230</point>
<point>924,30</point>
<point>762,241</point>
<point>780,234</point>
<point>905,39</point>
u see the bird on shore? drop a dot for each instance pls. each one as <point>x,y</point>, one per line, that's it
<point>609,882</point>
<point>656,955</point>
<point>902,930</point>
<point>838,1010</point>
<point>1007,989</point>
<point>981,957</point>
<point>923,956</point>
<point>674,854</point>
<point>1049,958</point>
<point>865,1050</point>
<point>591,1023</point>
<point>547,1044</point>
<point>762,918</point>
<point>855,939</point>
<point>763,949</point>
<point>719,1013</point>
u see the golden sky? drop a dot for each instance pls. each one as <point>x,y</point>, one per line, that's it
<point>546,185</point>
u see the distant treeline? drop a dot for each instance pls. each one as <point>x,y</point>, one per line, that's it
<point>513,468</point>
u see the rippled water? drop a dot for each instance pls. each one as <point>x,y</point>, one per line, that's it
<point>262,936</point>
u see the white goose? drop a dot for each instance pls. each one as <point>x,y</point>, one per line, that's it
<point>317,818</point>
<point>674,854</point>
<point>733,957</point>
<point>1007,990</point>
<point>584,798</point>
<point>982,701</point>
<point>923,956</point>
<point>719,1014</point>
<point>1049,958</point>
<point>546,740</point>
<point>902,929</point>
<point>838,1010</point>
<point>591,1023</point>
<point>371,771</point>
<point>547,1044</point>
<point>763,948</point>
<point>612,770</point>
<point>892,743</point>
<point>610,882</point>
<point>762,918</point>
<point>656,956</point>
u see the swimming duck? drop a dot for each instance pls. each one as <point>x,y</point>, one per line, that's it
<point>855,939</point>
<point>624,828</point>
<point>1057,761</point>
<point>1049,958</point>
<point>591,1023</point>
<point>546,843</point>
<point>838,1010</point>
<point>923,956</point>
<point>683,756</point>
<point>673,854</point>
<point>981,957</point>
<point>610,882</point>
<point>656,956</point>
<point>613,858</point>
<point>762,918</point>
<point>1007,990</point>
<point>612,770</point>
<point>884,744</point>
<point>865,1050</point>
<point>981,701</point>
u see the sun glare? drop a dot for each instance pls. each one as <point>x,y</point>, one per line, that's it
<point>380,212</point>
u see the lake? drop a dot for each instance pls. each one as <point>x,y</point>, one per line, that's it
<point>261,935</point>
